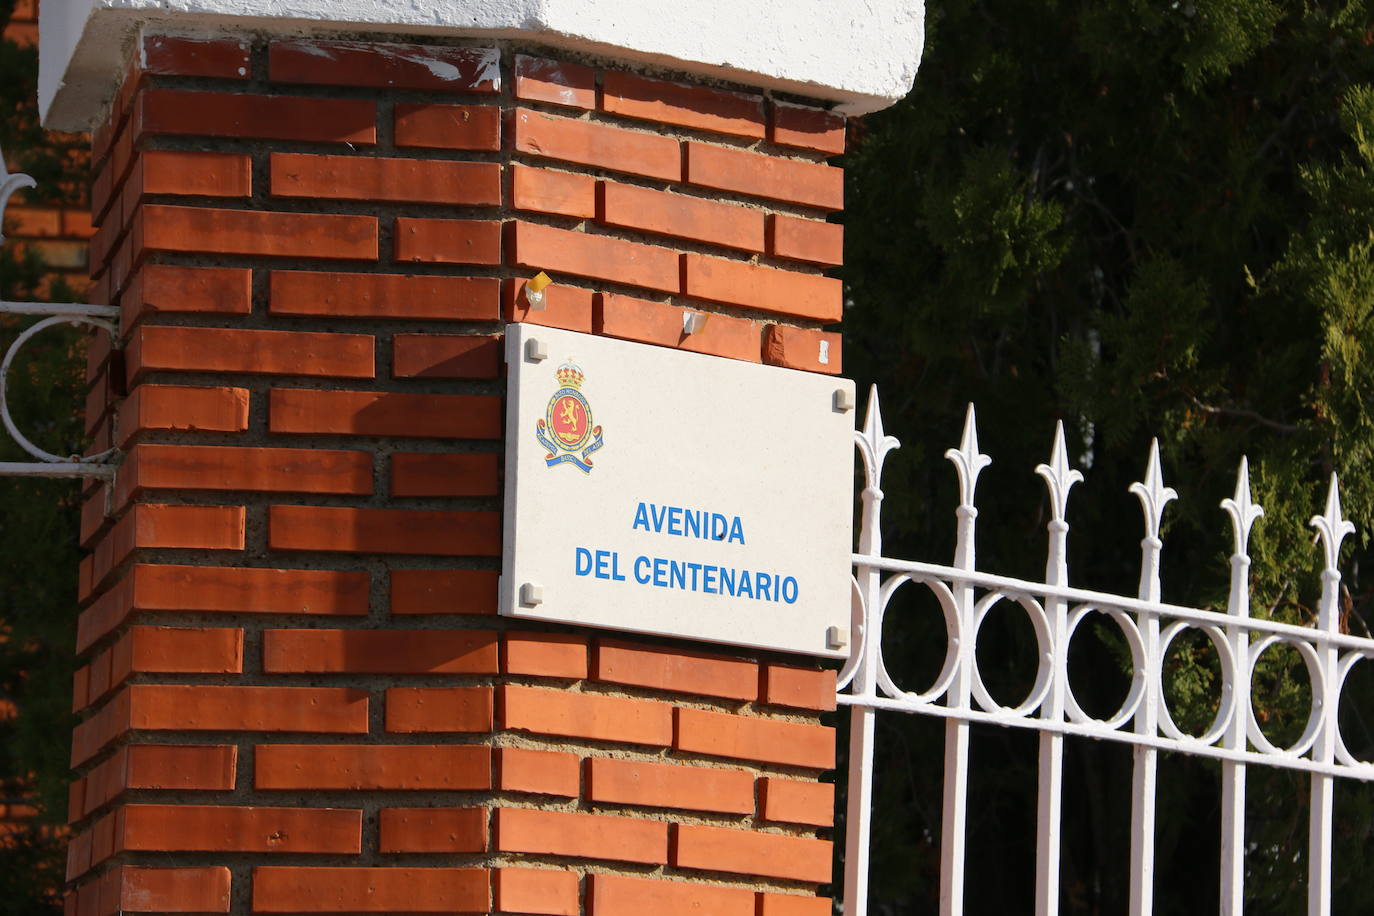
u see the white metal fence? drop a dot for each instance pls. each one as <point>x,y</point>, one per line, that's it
<point>958,694</point>
<point>103,317</point>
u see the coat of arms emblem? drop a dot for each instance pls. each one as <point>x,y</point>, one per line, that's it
<point>567,430</point>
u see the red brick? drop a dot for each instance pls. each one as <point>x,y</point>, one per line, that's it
<point>680,216</point>
<point>26,222</point>
<point>660,101</point>
<point>384,413</point>
<point>311,889</point>
<point>168,288</point>
<point>177,650</point>
<point>597,145</point>
<point>219,589</point>
<point>584,836</point>
<point>187,349</point>
<point>805,240</point>
<point>537,772</point>
<point>618,895</point>
<point>547,191</point>
<point>717,734</point>
<point>794,905</point>
<point>795,801</point>
<point>203,230</point>
<point>212,589</point>
<point>99,349</point>
<point>206,707</point>
<point>445,356</point>
<point>448,241</point>
<point>545,891</point>
<point>764,288</point>
<point>567,307</point>
<point>464,474</point>
<point>165,55</point>
<point>748,853</point>
<point>544,654</point>
<point>79,855</point>
<point>583,715</point>
<point>181,407</point>
<point>195,174</point>
<point>439,709</point>
<point>77,223</point>
<point>392,531</point>
<point>598,256</point>
<point>758,175</point>
<point>76,799</point>
<point>661,324</point>
<point>133,889</point>
<point>384,66</point>
<point>149,525</point>
<point>81,682</point>
<point>223,114</point>
<point>226,467</point>
<point>557,82</point>
<point>24,34</point>
<point>668,785</point>
<point>180,766</point>
<point>312,651</point>
<point>805,127</point>
<point>433,830</point>
<point>221,828</point>
<point>321,767</point>
<point>443,591</point>
<point>802,348</point>
<point>420,181</point>
<point>676,671</point>
<point>307,293</point>
<point>99,400</point>
<point>803,688</point>
<point>100,676</point>
<point>467,127</point>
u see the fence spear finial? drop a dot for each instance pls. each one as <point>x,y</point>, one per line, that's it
<point>968,461</point>
<point>1059,477</point>
<point>8,185</point>
<point>1153,494</point>
<point>1243,511</point>
<point>1331,528</point>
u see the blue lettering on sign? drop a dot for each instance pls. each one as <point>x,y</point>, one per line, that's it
<point>602,564</point>
<point>685,575</point>
<point>688,523</point>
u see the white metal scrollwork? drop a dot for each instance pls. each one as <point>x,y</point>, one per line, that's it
<point>103,317</point>
<point>1148,626</point>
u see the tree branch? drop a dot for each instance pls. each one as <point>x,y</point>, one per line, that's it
<point>1243,412</point>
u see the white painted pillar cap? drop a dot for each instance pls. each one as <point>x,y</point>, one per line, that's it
<point>860,54</point>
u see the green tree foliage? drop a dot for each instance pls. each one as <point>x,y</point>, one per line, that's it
<point>38,519</point>
<point>1146,219</point>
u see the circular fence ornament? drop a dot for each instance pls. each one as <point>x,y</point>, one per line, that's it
<point>24,442</point>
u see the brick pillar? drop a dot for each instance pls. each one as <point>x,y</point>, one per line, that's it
<point>295,694</point>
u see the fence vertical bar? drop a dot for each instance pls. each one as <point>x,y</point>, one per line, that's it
<point>873,447</point>
<point>969,463</point>
<point>1059,479</point>
<point>1243,514</point>
<point>1331,529</point>
<point>1145,766</point>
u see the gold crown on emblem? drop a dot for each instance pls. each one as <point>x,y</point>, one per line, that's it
<point>569,375</point>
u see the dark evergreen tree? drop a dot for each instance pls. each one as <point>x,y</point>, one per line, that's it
<point>1143,218</point>
<point>38,519</point>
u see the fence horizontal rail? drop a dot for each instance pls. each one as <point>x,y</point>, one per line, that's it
<point>958,695</point>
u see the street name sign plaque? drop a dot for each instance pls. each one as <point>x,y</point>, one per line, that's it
<point>653,490</point>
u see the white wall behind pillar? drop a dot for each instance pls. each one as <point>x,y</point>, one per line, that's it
<point>860,54</point>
